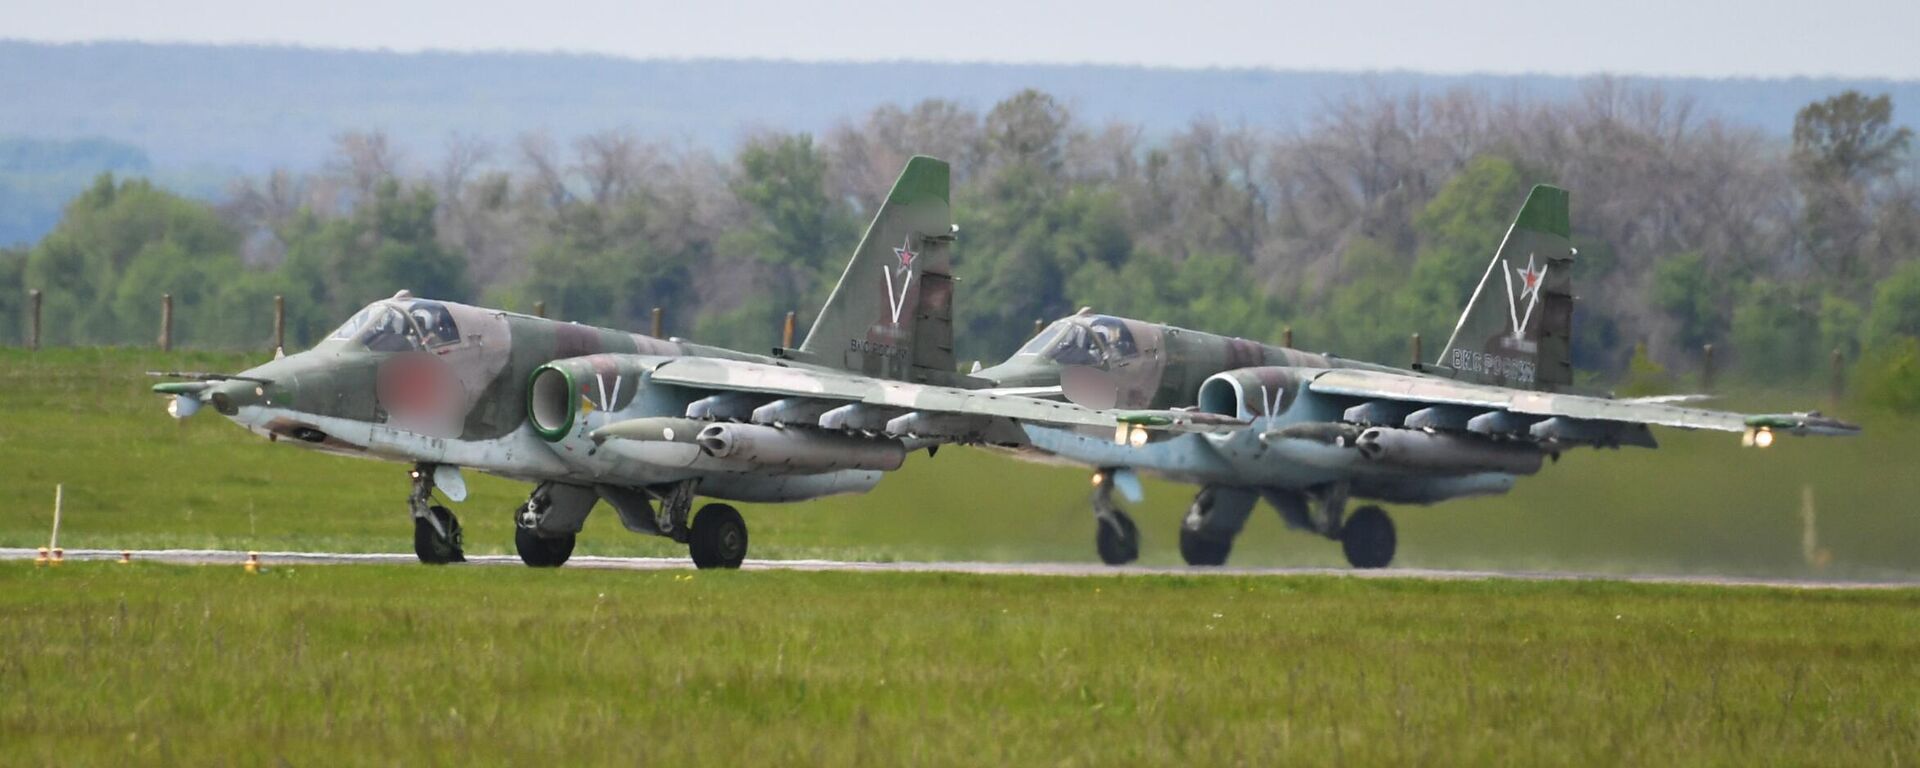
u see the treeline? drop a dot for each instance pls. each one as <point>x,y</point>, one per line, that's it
<point>1373,222</point>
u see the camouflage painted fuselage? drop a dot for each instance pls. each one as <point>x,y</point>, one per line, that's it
<point>1105,361</point>
<point>461,399</point>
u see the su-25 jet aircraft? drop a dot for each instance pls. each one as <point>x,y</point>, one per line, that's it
<point>1311,432</point>
<point>645,424</point>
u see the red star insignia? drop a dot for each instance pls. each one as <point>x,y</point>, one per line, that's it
<point>905,256</point>
<point>1530,278</point>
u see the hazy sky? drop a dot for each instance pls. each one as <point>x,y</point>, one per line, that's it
<point>1862,38</point>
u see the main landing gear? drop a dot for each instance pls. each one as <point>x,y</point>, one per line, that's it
<point>1212,522</point>
<point>1366,537</point>
<point>437,539</point>
<point>717,537</point>
<point>547,524</point>
<point>1218,513</point>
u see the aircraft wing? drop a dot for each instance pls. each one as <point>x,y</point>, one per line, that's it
<point>895,407</point>
<point>1487,399</point>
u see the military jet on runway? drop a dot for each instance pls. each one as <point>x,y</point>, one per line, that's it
<point>1310,432</point>
<point>594,414</point>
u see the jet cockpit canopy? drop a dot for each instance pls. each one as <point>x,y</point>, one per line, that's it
<point>1099,341</point>
<point>399,325</point>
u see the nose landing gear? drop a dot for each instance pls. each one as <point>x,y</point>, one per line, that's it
<point>437,539</point>
<point>1117,538</point>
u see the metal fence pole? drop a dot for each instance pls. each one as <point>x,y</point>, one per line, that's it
<point>279,323</point>
<point>166,322</point>
<point>1706,368</point>
<point>1286,337</point>
<point>33,321</point>
<point>659,322</point>
<point>1416,352</point>
<point>539,309</point>
<point>1839,385</point>
<point>1038,325</point>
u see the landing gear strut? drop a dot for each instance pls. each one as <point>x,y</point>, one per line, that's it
<point>716,538</point>
<point>1212,522</point>
<point>539,547</point>
<point>1117,538</point>
<point>437,539</point>
<point>1366,536</point>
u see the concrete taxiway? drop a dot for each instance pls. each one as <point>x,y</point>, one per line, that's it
<point>269,559</point>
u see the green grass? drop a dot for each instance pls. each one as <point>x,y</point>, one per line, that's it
<point>109,663</point>
<point>147,663</point>
<point>134,478</point>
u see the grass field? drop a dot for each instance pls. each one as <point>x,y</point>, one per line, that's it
<point>134,478</point>
<point>108,663</point>
<point>148,663</point>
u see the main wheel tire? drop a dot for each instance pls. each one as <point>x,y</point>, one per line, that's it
<point>1118,539</point>
<point>1201,548</point>
<point>542,551</point>
<point>1368,538</point>
<point>718,538</point>
<point>430,546</point>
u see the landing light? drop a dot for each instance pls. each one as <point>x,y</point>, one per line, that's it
<point>182,406</point>
<point>1133,434</point>
<point>1759,437</point>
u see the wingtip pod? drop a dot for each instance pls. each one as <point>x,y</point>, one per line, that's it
<point>1811,423</point>
<point>1546,212</point>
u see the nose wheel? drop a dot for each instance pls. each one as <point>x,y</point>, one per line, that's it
<point>1115,537</point>
<point>437,539</point>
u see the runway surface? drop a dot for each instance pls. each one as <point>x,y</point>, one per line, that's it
<point>269,559</point>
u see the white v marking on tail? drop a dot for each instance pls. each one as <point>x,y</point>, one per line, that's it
<point>1512,311</point>
<point>897,300</point>
<point>1520,330</point>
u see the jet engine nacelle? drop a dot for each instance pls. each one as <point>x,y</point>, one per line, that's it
<point>559,392</point>
<point>1253,393</point>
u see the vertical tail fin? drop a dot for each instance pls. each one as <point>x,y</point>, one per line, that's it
<point>891,315</point>
<point>1517,328</point>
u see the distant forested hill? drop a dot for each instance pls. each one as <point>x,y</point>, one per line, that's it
<point>249,109</point>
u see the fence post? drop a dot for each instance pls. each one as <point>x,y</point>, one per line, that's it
<point>166,322</point>
<point>1038,325</point>
<point>786,332</point>
<point>1706,368</point>
<point>659,322</point>
<point>1416,352</point>
<point>539,309</point>
<point>1839,385</point>
<point>33,322</point>
<point>1286,337</point>
<point>279,323</point>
